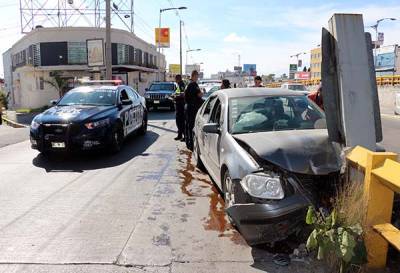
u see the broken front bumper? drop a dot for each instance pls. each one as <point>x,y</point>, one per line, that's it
<point>267,223</point>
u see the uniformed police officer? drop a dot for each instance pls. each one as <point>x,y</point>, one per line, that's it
<point>180,107</point>
<point>193,100</point>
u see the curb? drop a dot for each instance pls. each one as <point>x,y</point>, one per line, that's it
<point>13,123</point>
<point>390,116</point>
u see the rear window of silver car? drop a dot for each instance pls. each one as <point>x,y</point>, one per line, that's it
<point>274,113</point>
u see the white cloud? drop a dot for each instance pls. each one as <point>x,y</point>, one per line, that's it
<point>234,38</point>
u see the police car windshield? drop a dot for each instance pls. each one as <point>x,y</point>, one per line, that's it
<point>98,97</point>
<point>162,87</point>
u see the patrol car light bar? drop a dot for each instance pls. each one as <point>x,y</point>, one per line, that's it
<point>102,82</point>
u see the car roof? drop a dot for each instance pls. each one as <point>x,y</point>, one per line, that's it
<point>163,83</point>
<point>256,91</point>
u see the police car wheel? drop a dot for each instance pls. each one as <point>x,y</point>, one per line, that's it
<point>117,138</point>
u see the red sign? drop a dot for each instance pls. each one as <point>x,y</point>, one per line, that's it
<point>302,75</point>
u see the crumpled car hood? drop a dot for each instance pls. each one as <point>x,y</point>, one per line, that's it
<point>299,151</point>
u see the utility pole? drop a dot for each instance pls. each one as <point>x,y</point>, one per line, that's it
<point>132,16</point>
<point>108,41</point>
<point>180,46</point>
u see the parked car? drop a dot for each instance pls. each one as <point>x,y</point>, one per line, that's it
<point>160,94</point>
<point>90,117</point>
<point>295,87</point>
<point>397,104</point>
<point>268,152</point>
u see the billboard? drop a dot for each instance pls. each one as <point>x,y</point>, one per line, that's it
<point>237,69</point>
<point>250,69</point>
<point>292,70</point>
<point>162,37</point>
<point>95,52</point>
<point>385,57</point>
<point>302,75</point>
<point>190,67</point>
<point>381,38</point>
<point>174,68</point>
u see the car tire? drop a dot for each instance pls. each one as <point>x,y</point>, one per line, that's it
<point>117,139</point>
<point>228,192</point>
<point>196,154</point>
<point>143,129</point>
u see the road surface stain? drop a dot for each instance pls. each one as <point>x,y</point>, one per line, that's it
<point>216,220</point>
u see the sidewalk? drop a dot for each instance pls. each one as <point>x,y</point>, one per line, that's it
<point>10,135</point>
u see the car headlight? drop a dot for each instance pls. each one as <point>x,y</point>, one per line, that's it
<point>34,125</point>
<point>263,186</point>
<point>167,96</point>
<point>147,96</point>
<point>97,124</point>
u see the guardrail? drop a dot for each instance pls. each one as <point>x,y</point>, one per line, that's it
<point>380,81</point>
<point>381,180</point>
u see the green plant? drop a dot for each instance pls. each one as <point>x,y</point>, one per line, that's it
<point>58,83</point>
<point>3,100</point>
<point>341,245</point>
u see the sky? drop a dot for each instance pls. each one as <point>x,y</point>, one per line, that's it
<point>263,32</point>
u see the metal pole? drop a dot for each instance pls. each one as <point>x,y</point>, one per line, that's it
<point>159,47</point>
<point>180,45</point>
<point>108,41</point>
<point>132,16</point>
<point>375,46</point>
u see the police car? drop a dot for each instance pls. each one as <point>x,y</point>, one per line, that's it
<point>90,117</point>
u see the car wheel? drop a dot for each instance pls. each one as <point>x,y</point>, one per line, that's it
<point>117,138</point>
<point>196,154</point>
<point>228,191</point>
<point>143,128</point>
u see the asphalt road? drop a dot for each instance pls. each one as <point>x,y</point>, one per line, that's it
<point>145,209</point>
<point>391,133</point>
<point>9,135</point>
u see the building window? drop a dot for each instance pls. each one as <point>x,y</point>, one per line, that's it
<point>122,54</point>
<point>77,53</point>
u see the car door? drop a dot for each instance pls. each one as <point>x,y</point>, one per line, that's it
<point>213,140</point>
<point>137,113</point>
<point>204,117</point>
<point>126,112</point>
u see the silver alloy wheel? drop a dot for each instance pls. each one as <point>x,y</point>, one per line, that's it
<point>229,194</point>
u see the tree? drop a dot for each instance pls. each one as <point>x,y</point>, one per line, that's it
<point>58,83</point>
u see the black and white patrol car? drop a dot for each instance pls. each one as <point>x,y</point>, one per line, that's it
<point>90,117</point>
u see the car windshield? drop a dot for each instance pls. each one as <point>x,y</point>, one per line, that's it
<point>297,87</point>
<point>89,97</point>
<point>162,87</point>
<point>273,113</point>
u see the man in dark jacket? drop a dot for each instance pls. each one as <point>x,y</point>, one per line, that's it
<point>180,107</point>
<point>193,102</point>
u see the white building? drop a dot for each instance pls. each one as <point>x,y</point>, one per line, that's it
<point>44,52</point>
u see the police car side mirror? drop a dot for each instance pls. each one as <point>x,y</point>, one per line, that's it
<point>146,89</point>
<point>53,102</point>
<point>126,102</point>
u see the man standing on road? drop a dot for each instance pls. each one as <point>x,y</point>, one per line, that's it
<point>180,107</point>
<point>258,81</point>
<point>193,102</point>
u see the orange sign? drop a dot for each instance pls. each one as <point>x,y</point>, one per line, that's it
<point>162,37</point>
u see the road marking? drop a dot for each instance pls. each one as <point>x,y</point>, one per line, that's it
<point>390,116</point>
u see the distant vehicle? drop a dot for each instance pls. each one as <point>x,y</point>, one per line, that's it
<point>295,87</point>
<point>90,117</point>
<point>160,94</point>
<point>269,153</point>
<point>397,104</point>
<point>210,89</point>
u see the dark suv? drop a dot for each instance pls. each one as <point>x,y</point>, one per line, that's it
<point>159,94</point>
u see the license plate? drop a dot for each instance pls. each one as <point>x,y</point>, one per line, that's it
<point>58,144</point>
<point>156,102</point>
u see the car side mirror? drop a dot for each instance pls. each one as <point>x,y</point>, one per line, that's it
<point>53,102</point>
<point>146,89</point>
<point>212,128</point>
<point>126,102</point>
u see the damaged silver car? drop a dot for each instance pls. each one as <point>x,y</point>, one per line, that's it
<point>268,152</point>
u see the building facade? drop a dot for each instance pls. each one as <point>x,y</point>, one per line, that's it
<point>315,63</point>
<point>31,64</point>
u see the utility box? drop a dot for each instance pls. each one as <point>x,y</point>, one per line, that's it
<point>349,84</point>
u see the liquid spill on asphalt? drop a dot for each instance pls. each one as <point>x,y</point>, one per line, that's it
<point>216,220</point>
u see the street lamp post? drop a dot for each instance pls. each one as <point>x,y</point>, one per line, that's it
<point>297,58</point>
<point>159,34</point>
<point>375,27</point>
<point>190,50</point>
